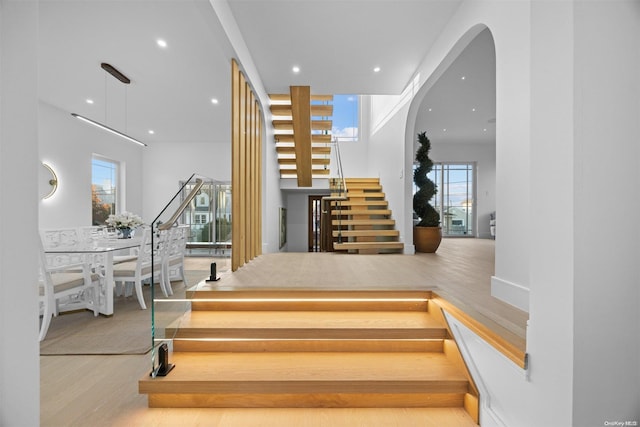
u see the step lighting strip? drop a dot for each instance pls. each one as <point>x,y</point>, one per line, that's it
<point>293,300</point>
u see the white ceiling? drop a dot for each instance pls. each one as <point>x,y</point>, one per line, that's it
<point>335,43</point>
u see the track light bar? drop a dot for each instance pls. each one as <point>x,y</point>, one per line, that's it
<point>108,129</point>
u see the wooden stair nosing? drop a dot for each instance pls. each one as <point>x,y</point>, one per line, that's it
<point>351,212</point>
<point>368,245</point>
<point>309,345</point>
<point>302,333</point>
<point>366,233</point>
<point>317,110</point>
<point>315,138</point>
<point>345,222</point>
<point>362,203</point>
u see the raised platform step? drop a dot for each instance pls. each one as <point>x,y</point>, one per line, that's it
<point>307,324</point>
<point>309,300</point>
<point>308,380</point>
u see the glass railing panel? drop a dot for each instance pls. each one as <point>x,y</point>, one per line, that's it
<point>191,215</point>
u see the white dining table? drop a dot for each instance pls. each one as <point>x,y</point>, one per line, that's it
<point>101,252</point>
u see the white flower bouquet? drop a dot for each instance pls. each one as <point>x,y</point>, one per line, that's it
<point>124,220</point>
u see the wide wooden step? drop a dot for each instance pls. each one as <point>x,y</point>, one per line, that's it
<point>308,379</point>
<point>364,194</point>
<point>294,172</point>
<point>309,300</point>
<point>304,324</point>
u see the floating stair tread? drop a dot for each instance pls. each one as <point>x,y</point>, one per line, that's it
<point>366,233</point>
<point>351,212</point>
<point>368,245</point>
<point>285,97</point>
<point>364,222</point>
<point>363,203</point>
<point>323,110</point>
<point>315,138</point>
<point>308,372</point>
<point>314,150</point>
<point>364,194</point>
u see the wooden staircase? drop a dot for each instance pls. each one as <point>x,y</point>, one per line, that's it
<point>314,349</point>
<point>302,125</point>
<point>362,223</point>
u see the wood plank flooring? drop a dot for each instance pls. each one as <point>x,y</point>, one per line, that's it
<point>102,390</point>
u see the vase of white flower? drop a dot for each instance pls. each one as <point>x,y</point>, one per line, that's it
<point>124,222</point>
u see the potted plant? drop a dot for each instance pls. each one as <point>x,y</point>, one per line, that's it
<point>427,233</point>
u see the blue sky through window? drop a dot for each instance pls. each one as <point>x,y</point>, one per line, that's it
<point>345,117</point>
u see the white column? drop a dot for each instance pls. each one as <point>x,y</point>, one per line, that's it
<point>19,357</point>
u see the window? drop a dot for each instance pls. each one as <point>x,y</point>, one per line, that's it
<point>209,214</point>
<point>346,114</point>
<point>104,185</point>
<point>455,199</point>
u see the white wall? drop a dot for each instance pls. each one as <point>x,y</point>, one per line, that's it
<point>19,347</point>
<point>166,164</point>
<point>484,155</point>
<point>606,287</point>
<point>67,144</point>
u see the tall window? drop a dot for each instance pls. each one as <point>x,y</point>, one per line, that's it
<point>455,200</point>
<point>209,213</point>
<point>346,117</point>
<point>104,184</point>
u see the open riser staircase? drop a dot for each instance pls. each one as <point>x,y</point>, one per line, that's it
<point>363,222</point>
<point>302,132</point>
<point>311,349</point>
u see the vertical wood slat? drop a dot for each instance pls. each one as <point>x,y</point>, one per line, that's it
<point>243,167</point>
<point>235,166</point>
<point>301,118</point>
<point>252,177</point>
<point>259,128</point>
<point>246,175</point>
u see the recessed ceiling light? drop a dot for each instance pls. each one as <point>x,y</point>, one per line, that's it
<point>89,101</point>
<point>444,130</point>
<point>429,109</point>
<point>484,130</point>
<point>214,101</point>
<point>161,43</point>
<point>296,69</point>
<point>376,70</point>
<point>462,78</point>
<point>473,109</point>
<point>151,131</point>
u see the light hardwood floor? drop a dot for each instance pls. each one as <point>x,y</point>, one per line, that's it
<point>102,390</point>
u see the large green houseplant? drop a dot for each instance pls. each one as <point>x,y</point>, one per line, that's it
<point>427,233</point>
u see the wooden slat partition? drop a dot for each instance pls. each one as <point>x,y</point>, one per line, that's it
<point>301,114</point>
<point>246,171</point>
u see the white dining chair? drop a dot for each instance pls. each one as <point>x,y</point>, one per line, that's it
<point>66,283</point>
<point>173,265</point>
<point>132,273</point>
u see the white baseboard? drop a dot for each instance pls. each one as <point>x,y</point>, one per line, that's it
<point>510,292</point>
